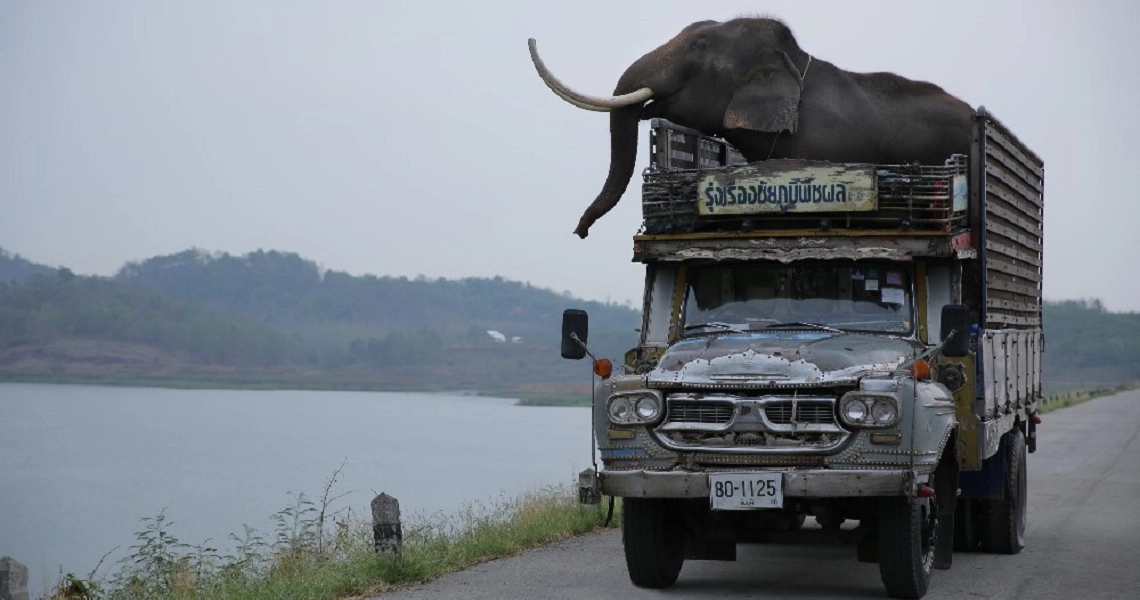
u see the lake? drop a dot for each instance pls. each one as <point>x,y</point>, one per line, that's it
<point>81,465</point>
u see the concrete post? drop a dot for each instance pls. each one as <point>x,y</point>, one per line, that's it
<point>386,531</point>
<point>13,580</point>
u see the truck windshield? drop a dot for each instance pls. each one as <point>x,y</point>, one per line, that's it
<point>851,296</point>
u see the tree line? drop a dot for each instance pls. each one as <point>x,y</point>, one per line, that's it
<point>333,309</point>
<point>270,308</point>
<point>51,307</point>
<point>274,308</point>
<point>1086,345</point>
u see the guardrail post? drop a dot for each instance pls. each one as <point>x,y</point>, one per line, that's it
<point>13,580</point>
<point>386,530</point>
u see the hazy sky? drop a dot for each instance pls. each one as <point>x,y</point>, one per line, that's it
<point>409,138</point>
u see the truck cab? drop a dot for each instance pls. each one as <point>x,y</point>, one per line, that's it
<point>857,344</point>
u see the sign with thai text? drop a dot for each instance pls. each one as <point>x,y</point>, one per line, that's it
<point>787,186</point>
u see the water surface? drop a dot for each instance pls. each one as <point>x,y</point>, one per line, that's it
<point>81,465</point>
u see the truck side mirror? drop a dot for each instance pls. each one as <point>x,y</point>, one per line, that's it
<point>956,318</point>
<point>577,322</point>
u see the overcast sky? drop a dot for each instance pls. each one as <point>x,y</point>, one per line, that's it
<point>414,138</point>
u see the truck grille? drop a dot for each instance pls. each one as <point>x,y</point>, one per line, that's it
<point>688,411</point>
<point>806,412</point>
<point>729,423</point>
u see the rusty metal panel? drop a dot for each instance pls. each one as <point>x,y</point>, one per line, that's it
<point>998,266</point>
<point>783,186</point>
<point>1032,242</point>
<point>970,431</point>
<point>1038,350</point>
<point>1012,286</point>
<point>1011,360</point>
<point>988,392</point>
<point>1018,254</point>
<point>787,249</point>
<point>660,283</point>
<point>1017,365</point>
<point>1008,181</point>
<point>998,373</point>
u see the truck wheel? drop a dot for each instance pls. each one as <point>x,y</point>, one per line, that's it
<point>1004,519</point>
<point>906,544</point>
<point>653,534</point>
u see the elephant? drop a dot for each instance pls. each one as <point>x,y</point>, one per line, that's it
<point>748,81</point>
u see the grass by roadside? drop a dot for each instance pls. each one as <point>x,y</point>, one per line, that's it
<point>1072,398</point>
<point>316,555</point>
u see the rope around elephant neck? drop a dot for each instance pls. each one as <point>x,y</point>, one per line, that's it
<point>802,76</point>
<point>796,70</point>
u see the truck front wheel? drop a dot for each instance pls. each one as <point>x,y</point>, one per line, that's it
<point>906,544</point>
<point>653,534</point>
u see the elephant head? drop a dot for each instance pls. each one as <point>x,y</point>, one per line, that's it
<point>718,78</point>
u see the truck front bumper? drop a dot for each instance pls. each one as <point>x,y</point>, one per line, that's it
<point>797,483</point>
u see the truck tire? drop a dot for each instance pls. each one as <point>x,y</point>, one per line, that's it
<point>906,537</point>
<point>653,534</point>
<point>1004,531</point>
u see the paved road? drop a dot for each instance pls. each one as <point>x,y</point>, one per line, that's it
<point>1082,541</point>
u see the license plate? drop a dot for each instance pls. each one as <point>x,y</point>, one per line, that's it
<point>746,491</point>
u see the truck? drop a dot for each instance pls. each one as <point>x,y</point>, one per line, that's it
<point>855,343</point>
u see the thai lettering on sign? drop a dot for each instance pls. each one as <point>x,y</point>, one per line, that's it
<point>810,189</point>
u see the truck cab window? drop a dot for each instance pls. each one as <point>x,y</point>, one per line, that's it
<point>873,297</point>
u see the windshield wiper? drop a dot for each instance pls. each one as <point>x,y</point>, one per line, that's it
<point>801,324</point>
<point>716,324</point>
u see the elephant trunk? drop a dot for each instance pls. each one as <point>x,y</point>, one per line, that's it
<point>623,155</point>
<point>644,73</point>
<point>625,108</point>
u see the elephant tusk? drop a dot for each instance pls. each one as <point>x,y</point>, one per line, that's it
<point>565,96</point>
<point>581,100</point>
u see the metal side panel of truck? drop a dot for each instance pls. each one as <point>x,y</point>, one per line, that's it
<point>855,343</point>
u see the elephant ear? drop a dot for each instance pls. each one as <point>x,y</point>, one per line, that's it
<point>770,106</point>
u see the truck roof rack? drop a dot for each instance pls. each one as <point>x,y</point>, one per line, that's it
<point>676,198</point>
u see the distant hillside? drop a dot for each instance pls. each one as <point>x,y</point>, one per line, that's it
<point>1087,346</point>
<point>331,309</point>
<point>47,309</point>
<point>273,318</point>
<point>14,267</point>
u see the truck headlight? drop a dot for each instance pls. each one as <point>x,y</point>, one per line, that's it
<point>863,409</point>
<point>884,412</point>
<point>648,408</point>
<point>854,410</point>
<point>634,408</point>
<point>620,410</point>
